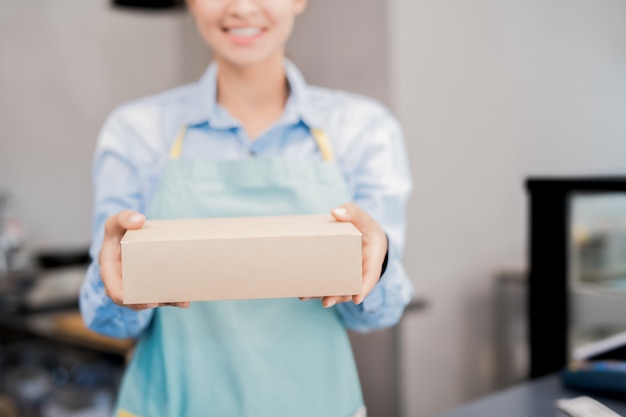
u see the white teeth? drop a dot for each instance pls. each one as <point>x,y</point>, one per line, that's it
<point>249,31</point>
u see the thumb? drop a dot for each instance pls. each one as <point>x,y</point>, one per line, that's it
<point>117,225</point>
<point>350,212</point>
<point>131,219</point>
<point>341,213</point>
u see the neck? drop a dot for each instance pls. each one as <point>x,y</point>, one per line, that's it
<point>255,95</point>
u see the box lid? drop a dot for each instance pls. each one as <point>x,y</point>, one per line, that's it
<point>240,228</point>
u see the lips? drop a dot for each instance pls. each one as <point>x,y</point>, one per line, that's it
<point>244,35</point>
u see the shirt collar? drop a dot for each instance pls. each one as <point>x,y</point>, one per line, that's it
<point>204,107</point>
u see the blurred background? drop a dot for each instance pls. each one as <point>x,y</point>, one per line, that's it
<point>489,93</point>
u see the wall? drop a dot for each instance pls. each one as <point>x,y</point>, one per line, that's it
<point>64,66</point>
<point>490,92</point>
<point>335,45</point>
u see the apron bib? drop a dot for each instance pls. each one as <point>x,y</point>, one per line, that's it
<point>248,358</point>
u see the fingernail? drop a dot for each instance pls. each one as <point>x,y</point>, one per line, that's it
<point>330,304</point>
<point>305,298</point>
<point>340,211</point>
<point>359,300</point>
<point>135,218</point>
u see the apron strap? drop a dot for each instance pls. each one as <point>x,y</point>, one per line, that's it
<point>323,144</point>
<point>177,147</point>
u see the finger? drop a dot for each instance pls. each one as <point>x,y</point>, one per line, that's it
<point>176,304</point>
<point>139,307</point>
<point>369,282</point>
<point>330,301</point>
<point>373,257</point>
<point>111,270</point>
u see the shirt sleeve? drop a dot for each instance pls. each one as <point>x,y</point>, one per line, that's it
<point>117,186</point>
<point>381,181</point>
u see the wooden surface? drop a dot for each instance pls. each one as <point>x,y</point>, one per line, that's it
<point>71,326</point>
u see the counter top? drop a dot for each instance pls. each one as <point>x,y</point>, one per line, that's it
<point>65,326</point>
<point>535,398</point>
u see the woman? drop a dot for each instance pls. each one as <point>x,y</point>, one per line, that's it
<point>250,138</point>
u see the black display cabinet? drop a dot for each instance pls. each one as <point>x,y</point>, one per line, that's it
<point>548,299</point>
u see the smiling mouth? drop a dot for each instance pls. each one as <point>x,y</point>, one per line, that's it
<point>244,32</point>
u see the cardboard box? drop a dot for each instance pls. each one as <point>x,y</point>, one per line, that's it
<point>240,258</point>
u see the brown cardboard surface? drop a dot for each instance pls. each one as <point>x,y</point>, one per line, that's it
<point>240,258</point>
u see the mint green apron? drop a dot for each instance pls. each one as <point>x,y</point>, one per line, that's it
<point>252,358</point>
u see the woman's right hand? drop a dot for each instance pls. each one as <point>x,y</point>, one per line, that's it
<point>111,257</point>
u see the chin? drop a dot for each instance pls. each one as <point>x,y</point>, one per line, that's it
<point>245,58</point>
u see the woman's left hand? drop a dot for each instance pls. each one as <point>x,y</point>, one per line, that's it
<point>374,250</point>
